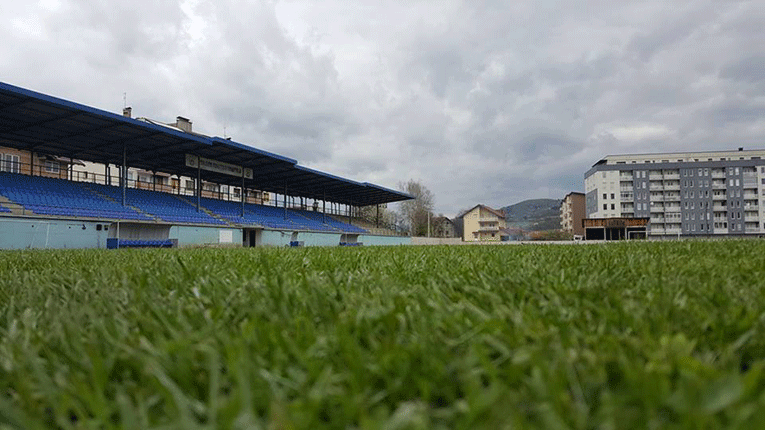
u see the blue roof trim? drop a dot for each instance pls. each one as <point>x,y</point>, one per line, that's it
<point>233,144</point>
<point>99,112</point>
<point>337,178</point>
<point>400,193</point>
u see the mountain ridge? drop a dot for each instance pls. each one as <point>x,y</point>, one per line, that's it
<point>534,214</point>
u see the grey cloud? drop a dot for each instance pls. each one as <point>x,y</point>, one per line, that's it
<point>750,69</point>
<point>490,101</point>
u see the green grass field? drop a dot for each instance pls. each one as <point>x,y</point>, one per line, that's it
<point>630,335</point>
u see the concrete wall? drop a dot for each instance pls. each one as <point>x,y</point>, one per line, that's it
<point>436,241</point>
<point>23,233</point>
<point>198,236</point>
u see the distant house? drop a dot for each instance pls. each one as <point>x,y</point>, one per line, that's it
<point>443,227</point>
<point>572,212</point>
<point>512,234</point>
<point>483,223</point>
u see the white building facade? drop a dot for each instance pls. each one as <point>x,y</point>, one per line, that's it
<point>683,194</point>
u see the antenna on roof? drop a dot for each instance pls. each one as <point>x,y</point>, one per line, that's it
<point>124,100</point>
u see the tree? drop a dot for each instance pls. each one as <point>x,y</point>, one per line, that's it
<point>415,213</point>
<point>379,216</point>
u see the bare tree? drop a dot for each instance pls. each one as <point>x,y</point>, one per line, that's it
<point>416,212</point>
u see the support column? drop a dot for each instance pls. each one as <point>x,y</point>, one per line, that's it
<point>123,174</point>
<point>377,217</point>
<point>241,192</point>
<point>285,200</point>
<point>350,212</point>
<point>32,163</point>
<point>199,183</point>
<point>324,208</point>
<point>107,173</point>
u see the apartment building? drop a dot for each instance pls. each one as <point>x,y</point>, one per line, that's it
<point>572,213</point>
<point>482,223</point>
<point>713,193</point>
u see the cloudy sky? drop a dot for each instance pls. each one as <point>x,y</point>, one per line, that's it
<point>485,102</point>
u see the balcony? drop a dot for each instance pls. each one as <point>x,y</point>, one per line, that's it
<point>672,198</point>
<point>671,208</point>
<point>488,219</point>
<point>625,177</point>
<point>656,187</point>
<point>672,187</point>
<point>718,185</point>
<point>718,173</point>
<point>626,189</point>
<point>719,208</point>
<point>657,230</point>
<point>721,231</point>
<point>488,228</point>
<point>657,209</point>
<point>672,231</point>
<point>719,196</point>
<point>748,195</point>
<point>659,220</point>
<point>750,218</point>
<point>655,176</point>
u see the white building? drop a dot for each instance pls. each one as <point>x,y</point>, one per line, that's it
<point>688,193</point>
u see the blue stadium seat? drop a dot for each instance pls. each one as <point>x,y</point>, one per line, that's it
<point>49,196</point>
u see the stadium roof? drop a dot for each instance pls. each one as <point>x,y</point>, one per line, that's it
<point>37,122</point>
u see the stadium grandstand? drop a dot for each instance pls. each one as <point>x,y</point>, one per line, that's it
<point>72,176</point>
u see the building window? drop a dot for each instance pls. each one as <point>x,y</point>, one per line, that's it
<point>612,196</point>
<point>605,207</point>
<point>52,166</point>
<point>613,206</point>
<point>605,196</point>
<point>10,163</point>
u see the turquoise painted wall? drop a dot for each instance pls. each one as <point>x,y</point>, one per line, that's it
<point>196,236</point>
<point>369,240</point>
<point>283,238</point>
<point>319,239</point>
<point>23,233</point>
<point>275,238</point>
